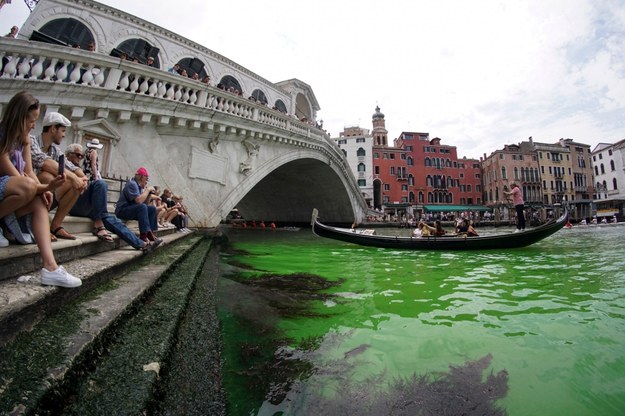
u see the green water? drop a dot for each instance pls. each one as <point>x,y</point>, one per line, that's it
<point>551,315</point>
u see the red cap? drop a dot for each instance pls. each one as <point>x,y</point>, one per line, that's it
<point>142,171</point>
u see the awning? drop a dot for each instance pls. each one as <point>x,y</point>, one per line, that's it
<point>454,208</point>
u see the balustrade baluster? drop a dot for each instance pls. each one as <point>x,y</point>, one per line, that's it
<point>144,86</point>
<point>134,85</point>
<point>37,70</point>
<point>162,90</point>
<point>185,96</point>
<point>193,98</point>
<point>75,76</point>
<point>61,74</point>
<point>178,94</point>
<point>153,88</point>
<point>50,70</point>
<point>124,82</point>
<point>170,92</point>
<point>87,77</point>
<point>24,67</point>
<point>98,80</point>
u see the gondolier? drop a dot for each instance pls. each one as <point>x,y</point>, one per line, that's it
<point>519,206</point>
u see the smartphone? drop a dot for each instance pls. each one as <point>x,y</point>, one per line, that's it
<point>61,165</point>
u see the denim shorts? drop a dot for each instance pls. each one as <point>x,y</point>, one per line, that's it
<point>3,184</point>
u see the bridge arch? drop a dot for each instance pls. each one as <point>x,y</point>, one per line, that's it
<point>289,187</point>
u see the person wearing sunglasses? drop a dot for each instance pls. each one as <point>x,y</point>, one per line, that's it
<point>93,204</point>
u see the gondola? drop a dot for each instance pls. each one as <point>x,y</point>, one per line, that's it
<point>460,242</point>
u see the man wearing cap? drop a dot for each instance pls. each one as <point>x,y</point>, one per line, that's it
<point>133,205</point>
<point>45,152</point>
<point>93,204</point>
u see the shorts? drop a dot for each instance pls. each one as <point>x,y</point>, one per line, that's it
<point>3,184</point>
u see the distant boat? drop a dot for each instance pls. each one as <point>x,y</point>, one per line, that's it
<point>488,242</point>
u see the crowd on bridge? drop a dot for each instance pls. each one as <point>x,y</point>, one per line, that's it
<point>37,176</point>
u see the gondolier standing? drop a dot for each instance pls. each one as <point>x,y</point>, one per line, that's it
<point>519,206</point>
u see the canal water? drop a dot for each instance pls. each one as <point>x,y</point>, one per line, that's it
<point>316,326</point>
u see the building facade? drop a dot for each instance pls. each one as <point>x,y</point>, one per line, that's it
<point>609,169</point>
<point>356,144</point>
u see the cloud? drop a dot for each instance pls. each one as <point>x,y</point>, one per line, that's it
<point>477,74</point>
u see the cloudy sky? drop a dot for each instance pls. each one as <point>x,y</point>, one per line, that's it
<point>477,74</point>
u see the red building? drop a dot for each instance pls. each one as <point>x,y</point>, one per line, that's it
<point>422,173</point>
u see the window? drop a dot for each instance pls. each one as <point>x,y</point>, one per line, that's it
<point>614,184</point>
<point>387,187</point>
<point>66,31</point>
<point>612,168</point>
<point>361,152</point>
<point>392,170</point>
<point>392,155</point>
<point>362,182</point>
<point>361,167</point>
<point>377,170</point>
<point>602,169</point>
<point>259,96</point>
<point>280,106</point>
<point>376,155</point>
<point>503,173</point>
<point>410,161</point>
<point>342,141</point>
<point>360,140</point>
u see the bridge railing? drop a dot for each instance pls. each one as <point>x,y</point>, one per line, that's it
<point>47,63</point>
<point>41,63</point>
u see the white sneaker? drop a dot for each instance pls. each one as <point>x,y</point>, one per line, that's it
<point>59,277</point>
<point>517,231</point>
<point>3,241</point>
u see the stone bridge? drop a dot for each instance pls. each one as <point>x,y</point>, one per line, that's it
<point>219,150</point>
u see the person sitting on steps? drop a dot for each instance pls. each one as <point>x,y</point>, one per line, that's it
<point>21,193</point>
<point>45,156</point>
<point>133,205</point>
<point>93,204</point>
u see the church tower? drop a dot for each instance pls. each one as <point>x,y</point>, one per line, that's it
<point>379,132</point>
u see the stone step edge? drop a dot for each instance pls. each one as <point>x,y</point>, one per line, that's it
<point>17,259</point>
<point>102,313</point>
<point>23,303</point>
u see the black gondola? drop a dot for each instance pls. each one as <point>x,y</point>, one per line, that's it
<point>487,242</point>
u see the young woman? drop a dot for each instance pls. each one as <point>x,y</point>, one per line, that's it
<point>21,193</point>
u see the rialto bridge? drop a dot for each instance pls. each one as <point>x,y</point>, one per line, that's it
<point>265,156</point>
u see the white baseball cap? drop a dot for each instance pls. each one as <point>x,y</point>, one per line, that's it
<point>55,119</point>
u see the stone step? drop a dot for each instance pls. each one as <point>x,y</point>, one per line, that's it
<point>17,259</point>
<point>39,366</point>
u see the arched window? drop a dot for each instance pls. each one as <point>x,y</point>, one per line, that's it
<point>430,197</point>
<point>503,173</point>
<point>596,170</point>
<point>259,96</point>
<point>361,152</point>
<point>361,167</point>
<point>193,66</point>
<point>428,162</point>
<point>410,180</point>
<point>614,184</point>
<point>229,82</point>
<point>66,31</point>
<point>420,197</point>
<point>602,169</point>
<point>280,106</point>
<point>410,161</point>
<point>450,182</point>
<point>612,168</point>
<point>448,163</point>
<point>428,181</point>
<point>411,197</point>
<point>139,49</point>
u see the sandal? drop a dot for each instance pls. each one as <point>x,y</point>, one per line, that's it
<point>60,232</point>
<point>102,234</point>
<point>53,238</point>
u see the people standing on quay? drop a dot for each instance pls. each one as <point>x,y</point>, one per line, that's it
<point>519,206</point>
<point>21,193</point>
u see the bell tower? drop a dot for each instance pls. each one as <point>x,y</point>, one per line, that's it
<point>379,132</point>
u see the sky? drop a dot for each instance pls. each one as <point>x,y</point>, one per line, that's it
<point>477,74</point>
